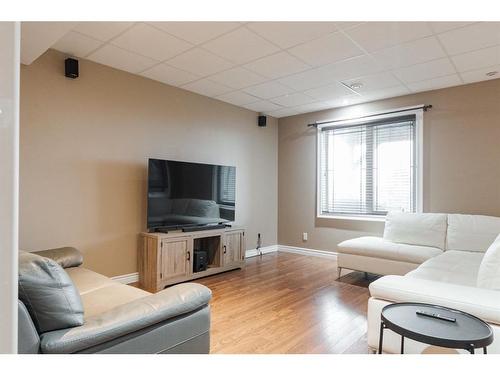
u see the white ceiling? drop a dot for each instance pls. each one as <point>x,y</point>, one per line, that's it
<point>287,68</point>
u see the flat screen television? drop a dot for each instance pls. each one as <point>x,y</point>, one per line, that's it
<point>182,194</point>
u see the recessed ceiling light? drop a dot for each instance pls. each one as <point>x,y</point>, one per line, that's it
<point>356,85</point>
<point>491,74</point>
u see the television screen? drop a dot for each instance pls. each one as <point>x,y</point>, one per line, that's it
<point>182,194</point>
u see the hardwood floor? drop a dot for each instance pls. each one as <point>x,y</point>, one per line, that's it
<point>288,303</point>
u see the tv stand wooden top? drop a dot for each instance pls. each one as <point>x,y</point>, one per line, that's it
<point>199,233</point>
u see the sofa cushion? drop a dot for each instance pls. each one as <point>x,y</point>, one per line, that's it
<point>86,280</point>
<point>471,232</point>
<point>416,229</point>
<point>48,293</point>
<point>454,267</point>
<point>489,270</point>
<point>381,248</point>
<point>100,293</point>
<point>482,303</point>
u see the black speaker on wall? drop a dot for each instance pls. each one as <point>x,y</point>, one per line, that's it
<point>71,68</point>
<point>262,121</point>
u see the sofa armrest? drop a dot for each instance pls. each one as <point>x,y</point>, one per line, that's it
<point>483,303</point>
<point>66,257</point>
<point>130,317</point>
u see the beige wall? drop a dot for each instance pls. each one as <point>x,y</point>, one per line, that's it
<point>461,162</point>
<point>84,148</point>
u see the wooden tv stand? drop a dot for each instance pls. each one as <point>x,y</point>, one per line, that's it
<point>167,258</point>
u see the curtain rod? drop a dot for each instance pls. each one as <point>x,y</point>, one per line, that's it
<point>424,107</point>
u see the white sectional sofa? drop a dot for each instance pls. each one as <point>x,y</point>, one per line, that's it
<point>446,259</point>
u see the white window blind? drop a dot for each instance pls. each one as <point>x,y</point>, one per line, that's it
<point>368,167</point>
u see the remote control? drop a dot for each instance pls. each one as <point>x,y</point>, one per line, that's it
<point>436,316</point>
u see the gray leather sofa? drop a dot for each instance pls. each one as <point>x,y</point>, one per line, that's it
<point>65,308</point>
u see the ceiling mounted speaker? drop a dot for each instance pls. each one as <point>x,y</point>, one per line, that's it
<point>71,68</point>
<point>262,121</point>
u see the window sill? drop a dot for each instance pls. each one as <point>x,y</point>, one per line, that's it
<point>371,218</point>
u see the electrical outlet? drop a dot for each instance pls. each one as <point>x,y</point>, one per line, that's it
<point>304,236</point>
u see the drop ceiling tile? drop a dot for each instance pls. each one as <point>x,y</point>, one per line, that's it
<point>424,71</point>
<point>441,27</point>
<point>288,34</point>
<point>277,65</point>
<point>238,98</point>
<point>477,59</point>
<point>345,100</point>
<point>411,53</point>
<point>300,109</point>
<point>151,42</point>
<point>196,32</point>
<point>373,36</point>
<point>206,87</point>
<point>469,38</point>
<point>353,67</point>
<point>312,107</point>
<point>329,92</point>
<point>374,82</point>
<point>292,100</point>
<point>309,79</point>
<point>262,106</point>
<point>240,46</point>
<point>120,59</point>
<point>344,25</point>
<point>268,90</point>
<point>283,112</point>
<point>436,83</point>
<point>201,62</point>
<point>102,30</point>
<point>237,78</point>
<point>76,44</point>
<point>169,75</point>
<point>480,74</point>
<point>327,49</point>
<point>388,92</point>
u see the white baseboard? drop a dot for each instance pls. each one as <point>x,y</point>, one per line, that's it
<point>264,250</point>
<point>306,251</point>
<point>128,278</point>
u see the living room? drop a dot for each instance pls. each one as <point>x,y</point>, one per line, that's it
<point>250,186</point>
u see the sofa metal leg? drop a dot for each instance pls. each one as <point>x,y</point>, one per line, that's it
<point>339,272</point>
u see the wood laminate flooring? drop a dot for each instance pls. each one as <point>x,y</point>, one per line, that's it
<point>288,303</point>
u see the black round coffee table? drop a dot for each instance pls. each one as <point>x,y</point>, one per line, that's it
<point>435,325</point>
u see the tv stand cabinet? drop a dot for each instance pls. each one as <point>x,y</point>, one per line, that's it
<point>167,258</point>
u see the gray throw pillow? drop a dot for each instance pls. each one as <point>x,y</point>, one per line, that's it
<point>48,293</point>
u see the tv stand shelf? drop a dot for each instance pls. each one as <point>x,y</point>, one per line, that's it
<point>167,258</point>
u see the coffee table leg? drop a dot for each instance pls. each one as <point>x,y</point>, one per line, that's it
<point>381,337</point>
<point>402,345</point>
<point>485,351</point>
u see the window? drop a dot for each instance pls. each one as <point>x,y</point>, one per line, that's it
<point>369,166</point>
